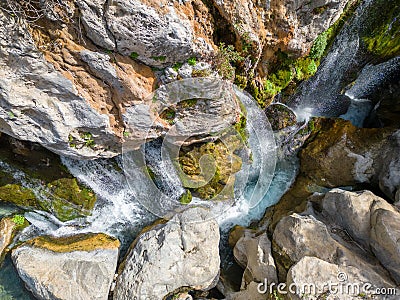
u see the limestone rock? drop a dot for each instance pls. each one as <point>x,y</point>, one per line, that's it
<point>352,211</point>
<point>312,270</point>
<point>280,116</point>
<point>253,253</point>
<point>180,253</point>
<point>78,267</point>
<point>385,239</point>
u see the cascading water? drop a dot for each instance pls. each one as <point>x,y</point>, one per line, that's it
<point>324,94</point>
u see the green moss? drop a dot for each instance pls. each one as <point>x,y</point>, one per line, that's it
<point>384,40</point>
<point>134,55</point>
<point>168,115</point>
<point>217,157</point>
<point>241,81</point>
<point>18,220</point>
<point>18,195</point>
<point>69,200</point>
<point>80,242</point>
<point>187,103</point>
<point>177,66</point>
<point>186,197</point>
<point>159,58</point>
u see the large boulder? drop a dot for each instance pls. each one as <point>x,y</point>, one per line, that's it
<point>77,267</point>
<point>298,236</point>
<point>253,254</point>
<point>311,275</point>
<point>180,253</point>
<point>352,211</point>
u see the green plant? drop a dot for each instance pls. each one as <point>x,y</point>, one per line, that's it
<point>88,139</point>
<point>188,103</point>
<point>159,58</point>
<point>192,61</point>
<point>318,48</point>
<point>227,57</point>
<point>18,220</point>
<point>186,197</point>
<point>126,133</point>
<point>11,114</point>
<point>134,55</point>
<point>177,66</point>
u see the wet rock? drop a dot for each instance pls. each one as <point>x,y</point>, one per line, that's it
<point>180,253</point>
<point>77,267</point>
<point>280,116</point>
<point>7,231</point>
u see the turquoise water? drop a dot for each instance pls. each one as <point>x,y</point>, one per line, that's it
<point>11,286</point>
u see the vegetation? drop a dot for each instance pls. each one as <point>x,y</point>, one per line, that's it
<point>168,115</point>
<point>134,55</point>
<point>159,58</point>
<point>188,103</point>
<point>18,220</point>
<point>384,39</point>
<point>192,61</point>
<point>186,197</point>
<point>177,66</point>
<point>226,58</point>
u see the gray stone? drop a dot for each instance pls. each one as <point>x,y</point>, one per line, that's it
<point>67,275</point>
<point>180,253</point>
<point>253,253</point>
<point>39,104</point>
<point>385,240</point>
<point>310,277</point>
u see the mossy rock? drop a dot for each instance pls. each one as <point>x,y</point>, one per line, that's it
<point>42,183</point>
<point>80,242</point>
<point>280,116</point>
<point>18,195</point>
<point>208,169</point>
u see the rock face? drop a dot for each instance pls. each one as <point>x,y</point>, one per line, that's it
<point>77,267</point>
<point>289,25</point>
<point>180,253</point>
<point>354,233</point>
<point>7,230</point>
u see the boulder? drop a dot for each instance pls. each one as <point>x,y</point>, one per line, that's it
<point>180,253</point>
<point>385,239</point>
<point>280,116</point>
<point>297,236</point>
<point>253,254</point>
<point>352,211</point>
<point>75,267</point>
<point>310,276</point>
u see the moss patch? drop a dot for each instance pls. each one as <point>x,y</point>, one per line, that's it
<point>80,242</point>
<point>384,39</point>
<point>208,168</point>
<point>18,195</point>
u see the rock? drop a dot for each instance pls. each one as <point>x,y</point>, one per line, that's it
<point>253,254</point>
<point>388,176</point>
<point>76,267</point>
<point>312,270</point>
<point>289,25</point>
<point>155,32</point>
<point>352,211</point>
<point>41,105</point>
<point>250,292</point>
<point>297,236</point>
<point>180,253</point>
<point>280,116</point>
<point>385,239</point>
<point>7,231</point>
